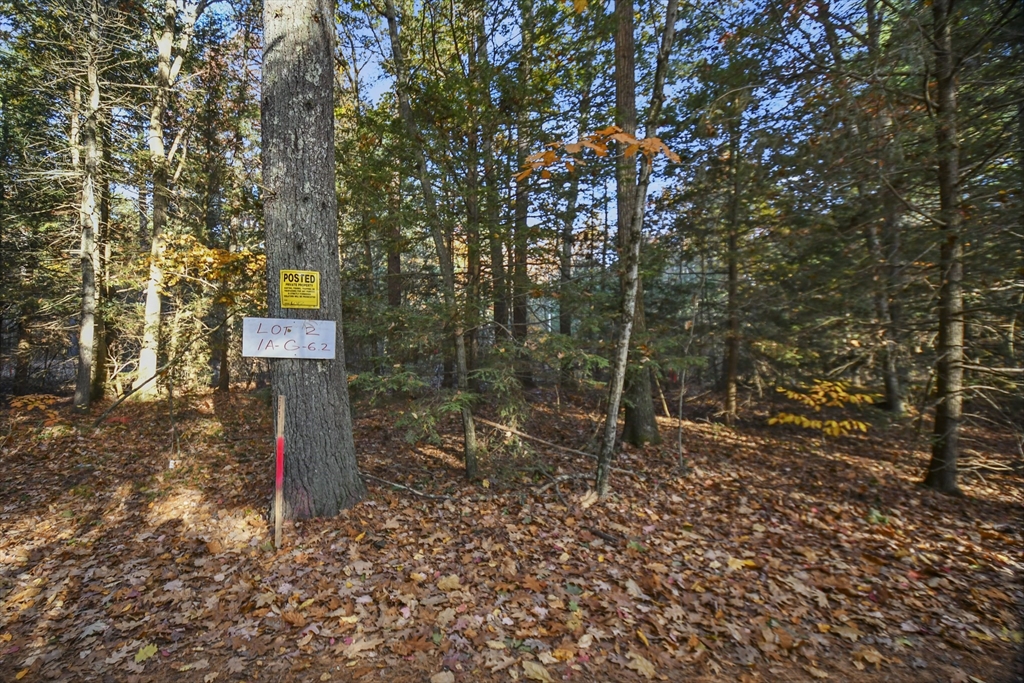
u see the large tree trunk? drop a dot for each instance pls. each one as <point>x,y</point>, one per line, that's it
<point>300,210</point>
<point>949,371</point>
<point>89,218</point>
<point>640,426</point>
<point>443,253</point>
<point>631,258</point>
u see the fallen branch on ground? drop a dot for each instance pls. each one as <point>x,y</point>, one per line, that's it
<point>552,445</point>
<point>404,488</point>
<point>555,481</point>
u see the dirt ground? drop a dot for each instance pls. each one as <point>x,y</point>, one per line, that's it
<point>772,554</point>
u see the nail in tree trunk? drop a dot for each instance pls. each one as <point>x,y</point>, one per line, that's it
<point>300,212</point>
<point>443,253</point>
<point>949,370</point>
<point>640,425</point>
<point>631,259</point>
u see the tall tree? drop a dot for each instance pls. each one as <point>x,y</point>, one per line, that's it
<point>630,259</point>
<point>444,255</point>
<point>640,426</point>
<point>172,42</point>
<point>949,370</point>
<point>300,211</point>
<point>89,211</point>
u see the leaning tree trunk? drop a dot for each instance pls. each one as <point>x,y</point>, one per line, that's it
<point>949,371</point>
<point>300,212</point>
<point>443,254</point>
<point>89,215</point>
<point>640,426</point>
<point>631,258</point>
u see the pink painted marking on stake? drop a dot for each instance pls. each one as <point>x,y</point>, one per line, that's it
<point>279,481</point>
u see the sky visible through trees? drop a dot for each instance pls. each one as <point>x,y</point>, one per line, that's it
<point>687,225</point>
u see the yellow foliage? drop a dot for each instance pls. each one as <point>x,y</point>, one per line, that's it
<point>827,394</point>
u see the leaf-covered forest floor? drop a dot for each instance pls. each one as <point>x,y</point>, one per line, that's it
<point>774,557</point>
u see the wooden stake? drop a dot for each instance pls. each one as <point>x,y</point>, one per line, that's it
<point>279,478</point>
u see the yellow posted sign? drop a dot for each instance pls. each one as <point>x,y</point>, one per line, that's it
<point>300,289</point>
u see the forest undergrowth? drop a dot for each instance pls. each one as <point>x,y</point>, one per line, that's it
<point>767,554</point>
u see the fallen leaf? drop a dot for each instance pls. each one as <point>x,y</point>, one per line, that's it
<point>816,672</point>
<point>735,564</point>
<point>450,583</point>
<point>536,672</point>
<point>641,665</point>
<point>588,499</point>
<point>851,634</point>
<point>145,652</point>
<point>443,677</point>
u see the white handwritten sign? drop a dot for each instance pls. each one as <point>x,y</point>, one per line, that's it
<point>283,338</point>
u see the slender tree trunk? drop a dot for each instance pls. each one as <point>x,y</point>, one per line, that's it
<point>640,425</point>
<point>473,265</point>
<point>168,68</point>
<point>394,277</point>
<point>490,197</point>
<point>300,210</point>
<point>949,370</point>
<point>521,228</point>
<point>104,331</point>
<point>631,258</point>
<point>499,290</point>
<point>89,215</point>
<point>732,337</point>
<point>568,239</point>
<point>890,372</point>
<point>443,253</point>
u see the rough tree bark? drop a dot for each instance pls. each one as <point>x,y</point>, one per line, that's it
<point>443,254</point>
<point>640,424</point>
<point>949,371</point>
<point>631,260</point>
<point>300,210</point>
<point>89,215</point>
